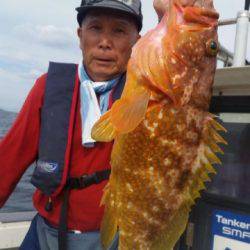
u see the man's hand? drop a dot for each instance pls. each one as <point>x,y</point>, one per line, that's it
<point>160,6</point>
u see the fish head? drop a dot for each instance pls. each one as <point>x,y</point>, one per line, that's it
<point>190,49</point>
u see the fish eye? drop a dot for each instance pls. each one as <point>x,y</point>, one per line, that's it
<point>212,48</point>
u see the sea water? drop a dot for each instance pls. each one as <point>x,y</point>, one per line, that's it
<point>21,198</point>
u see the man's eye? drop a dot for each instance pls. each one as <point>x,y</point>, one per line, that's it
<point>95,27</point>
<point>119,31</point>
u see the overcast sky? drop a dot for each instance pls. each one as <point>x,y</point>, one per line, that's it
<point>32,33</point>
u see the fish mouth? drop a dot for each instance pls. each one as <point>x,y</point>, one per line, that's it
<point>202,16</point>
<point>196,12</point>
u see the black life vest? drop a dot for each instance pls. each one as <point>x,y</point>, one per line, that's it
<point>57,120</point>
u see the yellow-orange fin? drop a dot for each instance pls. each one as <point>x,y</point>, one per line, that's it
<point>173,231</point>
<point>109,224</point>
<point>209,168</point>
<point>217,138</point>
<point>104,130</point>
<point>205,177</point>
<point>129,111</point>
<point>108,229</point>
<point>215,148</point>
<point>212,158</point>
<point>124,116</point>
<point>218,126</point>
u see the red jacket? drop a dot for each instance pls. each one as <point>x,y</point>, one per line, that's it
<point>19,148</point>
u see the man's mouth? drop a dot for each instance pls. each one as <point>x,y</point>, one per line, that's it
<point>104,60</point>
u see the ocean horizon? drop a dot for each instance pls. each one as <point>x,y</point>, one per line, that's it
<point>21,199</point>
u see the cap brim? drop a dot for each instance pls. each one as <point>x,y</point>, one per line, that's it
<point>112,6</point>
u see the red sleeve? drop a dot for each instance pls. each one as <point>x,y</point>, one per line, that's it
<point>19,148</point>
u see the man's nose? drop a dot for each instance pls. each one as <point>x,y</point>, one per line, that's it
<point>105,41</point>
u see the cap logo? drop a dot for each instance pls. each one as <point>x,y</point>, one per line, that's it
<point>90,2</point>
<point>127,2</point>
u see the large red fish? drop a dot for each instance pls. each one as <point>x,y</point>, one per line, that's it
<point>165,139</point>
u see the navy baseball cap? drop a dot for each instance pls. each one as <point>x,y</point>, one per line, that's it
<point>129,7</point>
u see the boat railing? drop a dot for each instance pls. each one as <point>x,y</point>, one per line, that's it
<point>234,78</point>
<point>238,58</point>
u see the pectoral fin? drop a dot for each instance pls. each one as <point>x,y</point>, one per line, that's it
<point>104,130</point>
<point>128,112</point>
<point>124,116</point>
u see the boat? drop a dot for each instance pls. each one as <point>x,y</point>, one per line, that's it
<point>13,228</point>
<point>227,196</point>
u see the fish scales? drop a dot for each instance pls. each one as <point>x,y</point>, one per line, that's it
<point>164,162</point>
<point>165,140</point>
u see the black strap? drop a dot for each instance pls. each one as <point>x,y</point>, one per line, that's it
<point>62,228</point>
<point>88,180</point>
<point>76,183</point>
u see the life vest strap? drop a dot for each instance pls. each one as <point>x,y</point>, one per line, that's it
<point>76,183</point>
<point>88,180</point>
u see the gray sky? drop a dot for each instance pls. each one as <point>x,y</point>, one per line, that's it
<point>36,32</point>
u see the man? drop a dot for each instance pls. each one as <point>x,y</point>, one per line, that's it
<point>54,128</point>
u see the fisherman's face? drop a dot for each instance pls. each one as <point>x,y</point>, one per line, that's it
<point>106,40</point>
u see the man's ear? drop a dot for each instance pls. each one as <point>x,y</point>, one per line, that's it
<point>79,34</point>
<point>137,38</point>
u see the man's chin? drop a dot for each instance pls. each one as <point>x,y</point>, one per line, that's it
<point>105,74</point>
